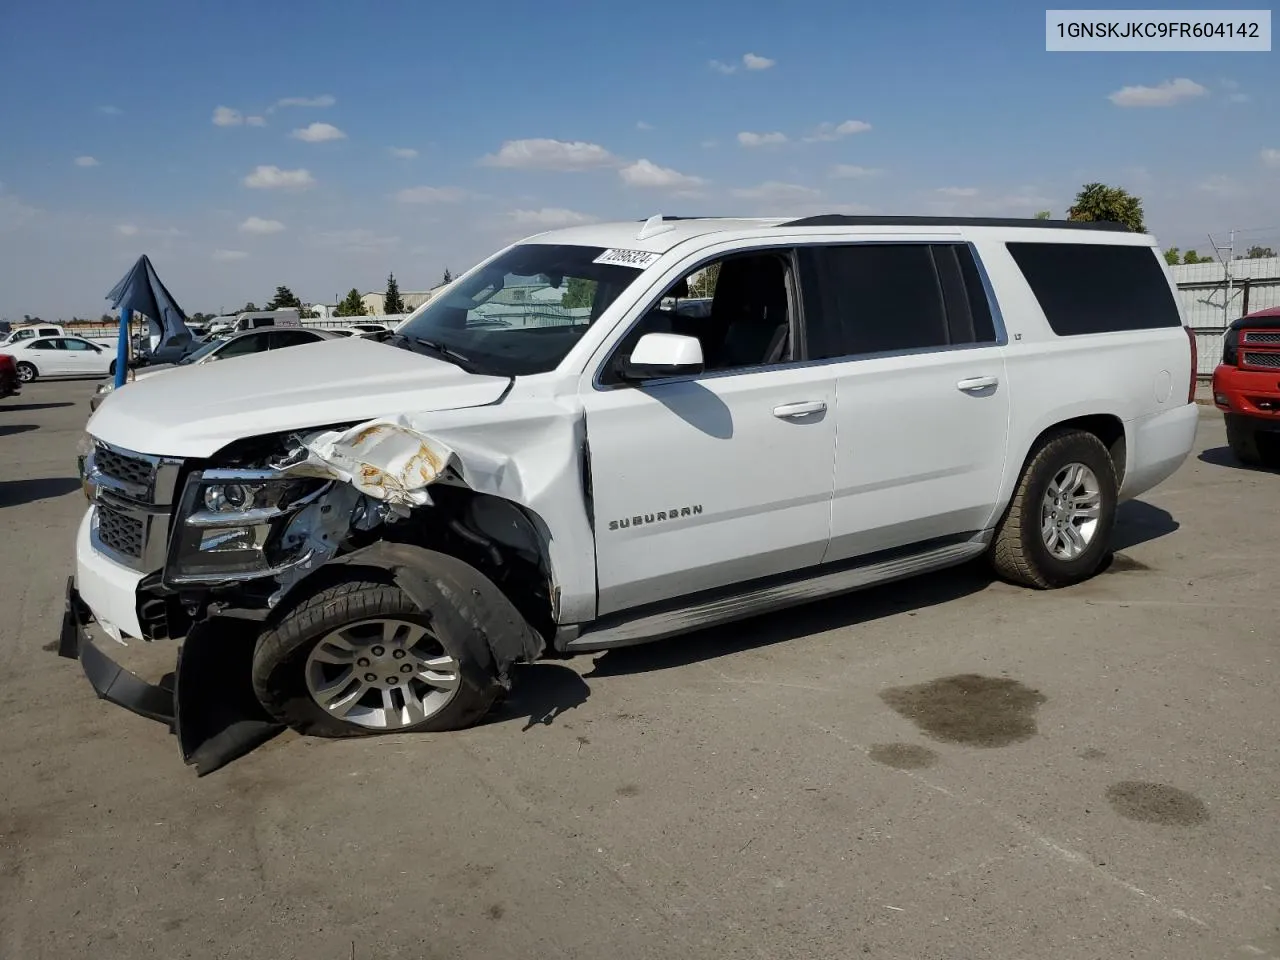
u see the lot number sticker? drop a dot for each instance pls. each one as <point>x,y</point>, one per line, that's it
<point>628,258</point>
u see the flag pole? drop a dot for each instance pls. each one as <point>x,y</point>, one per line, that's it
<point>122,347</point>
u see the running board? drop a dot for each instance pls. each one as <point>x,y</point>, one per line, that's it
<point>775,596</point>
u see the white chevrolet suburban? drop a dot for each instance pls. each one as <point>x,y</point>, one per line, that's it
<point>559,454</point>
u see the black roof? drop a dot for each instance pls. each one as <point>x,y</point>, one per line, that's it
<point>840,220</point>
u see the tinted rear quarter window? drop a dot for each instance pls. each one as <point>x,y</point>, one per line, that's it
<point>1088,288</point>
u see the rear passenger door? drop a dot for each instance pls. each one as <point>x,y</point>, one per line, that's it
<point>922,406</point>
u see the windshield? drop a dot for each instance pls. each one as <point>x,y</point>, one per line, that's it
<point>204,351</point>
<point>523,312</point>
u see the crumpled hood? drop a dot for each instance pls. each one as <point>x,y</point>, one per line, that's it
<point>195,411</point>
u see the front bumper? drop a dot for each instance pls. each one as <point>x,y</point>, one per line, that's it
<point>207,702</point>
<point>109,680</point>
<point>1250,393</point>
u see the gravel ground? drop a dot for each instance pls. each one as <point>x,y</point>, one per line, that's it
<point>950,767</point>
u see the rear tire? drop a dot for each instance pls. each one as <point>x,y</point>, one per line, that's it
<point>27,372</point>
<point>347,646</point>
<point>111,370</point>
<point>1021,551</point>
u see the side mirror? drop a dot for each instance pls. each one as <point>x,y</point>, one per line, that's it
<point>658,355</point>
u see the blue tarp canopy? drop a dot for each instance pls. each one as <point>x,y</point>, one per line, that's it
<point>142,292</point>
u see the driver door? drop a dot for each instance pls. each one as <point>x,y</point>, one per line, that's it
<point>722,477</point>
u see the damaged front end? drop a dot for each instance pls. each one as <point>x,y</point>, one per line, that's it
<point>250,530</point>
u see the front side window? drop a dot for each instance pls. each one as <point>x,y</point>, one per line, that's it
<point>738,307</point>
<point>521,313</point>
<point>77,344</point>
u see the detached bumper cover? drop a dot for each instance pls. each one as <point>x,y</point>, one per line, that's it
<point>207,702</point>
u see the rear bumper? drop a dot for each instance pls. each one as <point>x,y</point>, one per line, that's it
<point>1158,446</point>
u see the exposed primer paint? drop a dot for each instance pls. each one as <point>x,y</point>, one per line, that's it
<point>384,459</point>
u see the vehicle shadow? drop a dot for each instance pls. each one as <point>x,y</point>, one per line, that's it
<point>862,606</point>
<point>1223,457</point>
<point>1140,522</point>
<point>35,406</point>
<point>540,694</point>
<point>16,492</point>
<point>9,429</point>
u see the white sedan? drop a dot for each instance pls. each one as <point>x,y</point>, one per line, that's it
<point>61,357</point>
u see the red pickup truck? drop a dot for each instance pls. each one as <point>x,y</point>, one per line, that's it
<point>1246,387</point>
<point>9,384</point>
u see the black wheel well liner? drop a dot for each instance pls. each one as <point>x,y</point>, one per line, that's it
<point>1107,427</point>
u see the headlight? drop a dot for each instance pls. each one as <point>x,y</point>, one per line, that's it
<point>84,463</point>
<point>105,387</point>
<point>231,523</point>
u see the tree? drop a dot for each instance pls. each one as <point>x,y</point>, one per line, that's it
<point>248,308</point>
<point>1259,253</point>
<point>1172,257</point>
<point>391,302</point>
<point>1044,215</point>
<point>284,299</point>
<point>578,292</point>
<point>351,305</point>
<point>447,278</point>
<point>1097,202</point>
<point>1192,257</point>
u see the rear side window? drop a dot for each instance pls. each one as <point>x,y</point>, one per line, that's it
<point>894,297</point>
<point>1088,288</point>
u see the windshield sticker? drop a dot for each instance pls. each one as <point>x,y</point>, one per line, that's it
<point>628,258</point>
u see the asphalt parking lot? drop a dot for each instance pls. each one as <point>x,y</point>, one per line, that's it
<point>946,768</point>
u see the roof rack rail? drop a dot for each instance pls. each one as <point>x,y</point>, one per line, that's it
<point>841,220</point>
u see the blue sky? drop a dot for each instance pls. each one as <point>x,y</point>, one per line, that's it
<point>362,138</point>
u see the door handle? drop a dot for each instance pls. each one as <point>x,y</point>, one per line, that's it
<point>801,409</point>
<point>977,383</point>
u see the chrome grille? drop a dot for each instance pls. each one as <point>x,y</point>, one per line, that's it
<point>1262,336</point>
<point>1271,360</point>
<point>120,466</point>
<point>120,532</point>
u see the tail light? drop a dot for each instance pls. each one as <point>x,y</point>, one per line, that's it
<point>1195,361</point>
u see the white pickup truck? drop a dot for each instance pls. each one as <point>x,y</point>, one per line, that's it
<point>554,456</point>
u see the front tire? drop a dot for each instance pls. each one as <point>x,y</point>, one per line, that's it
<point>1058,526</point>
<point>361,658</point>
<point>27,372</point>
<point>111,370</point>
<point>1242,438</point>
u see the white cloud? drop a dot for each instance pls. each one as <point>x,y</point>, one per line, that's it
<point>958,191</point>
<point>358,240</point>
<point>641,125</point>
<point>1270,157</point>
<point>403,153</point>
<point>14,214</point>
<point>110,111</point>
<point>86,162</point>
<point>226,256</point>
<point>755,62</point>
<point>256,121</point>
<point>542,153</point>
<point>849,171</point>
<point>774,190</point>
<point>1165,94</point>
<point>127,230</point>
<point>1219,185</point>
<point>318,133</point>
<point>431,195</point>
<point>550,217</point>
<point>261,226</point>
<point>1239,98</point>
<point>719,67</point>
<point>709,144</point>
<point>748,139</point>
<point>644,173</point>
<point>836,131</point>
<point>227,117</point>
<point>268,177</point>
<point>324,100</point>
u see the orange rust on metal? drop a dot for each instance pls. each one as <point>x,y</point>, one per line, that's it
<point>368,432</point>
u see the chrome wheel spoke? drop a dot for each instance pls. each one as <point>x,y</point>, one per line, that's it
<point>1070,511</point>
<point>381,673</point>
<point>1075,541</point>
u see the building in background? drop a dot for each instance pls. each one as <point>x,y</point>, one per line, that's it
<point>374,302</point>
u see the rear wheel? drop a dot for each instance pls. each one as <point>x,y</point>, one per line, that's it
<point>26,372</point>
<point>1058,525</point>
<point>111,370</point>
<point>361,658</point>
